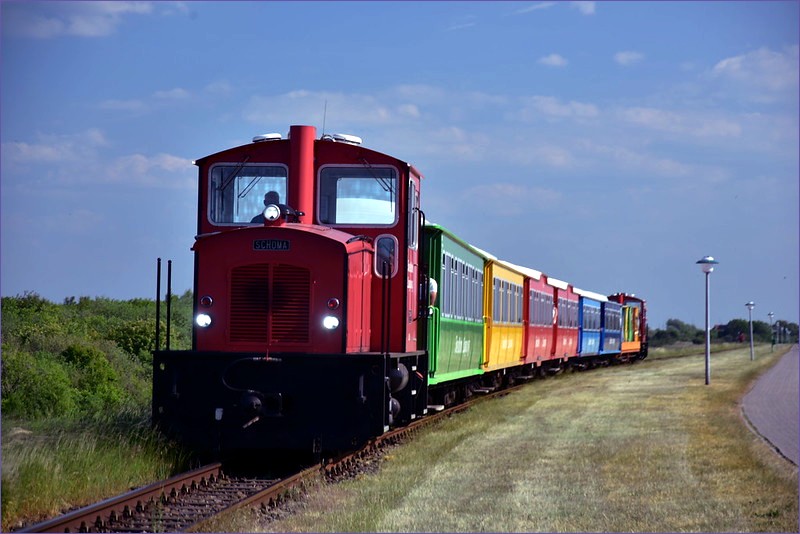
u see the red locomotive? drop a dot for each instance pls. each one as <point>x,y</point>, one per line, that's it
<point>298,345</point>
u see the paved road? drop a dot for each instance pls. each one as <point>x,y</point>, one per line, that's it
<point>773,405</point>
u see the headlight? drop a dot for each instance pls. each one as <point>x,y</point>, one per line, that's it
<point>330,322</point>
<point>203,320</point>
<point>272,212</point>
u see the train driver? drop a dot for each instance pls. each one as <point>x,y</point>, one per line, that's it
<point>270,198</point>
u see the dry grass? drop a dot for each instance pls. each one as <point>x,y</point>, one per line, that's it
<point>646,447</point>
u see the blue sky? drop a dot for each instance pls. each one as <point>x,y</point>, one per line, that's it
<point>608,144</point>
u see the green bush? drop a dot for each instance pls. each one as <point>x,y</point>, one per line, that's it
<point>85,356</point>
<point>136,338</point>
<point>35,385</point>
<point>96,381</point>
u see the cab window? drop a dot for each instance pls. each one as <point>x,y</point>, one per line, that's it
<point>364,195</point>
<point>238,191</point>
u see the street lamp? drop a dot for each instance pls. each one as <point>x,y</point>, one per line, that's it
<point>750,305</point>
<point>772,330</point>
<point>707,264</point>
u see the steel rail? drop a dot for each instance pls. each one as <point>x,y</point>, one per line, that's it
<point>96,516</point>
<point>271,496</point>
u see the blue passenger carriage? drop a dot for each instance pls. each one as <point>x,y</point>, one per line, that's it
<point>611,339</point>
<point>590,319</point>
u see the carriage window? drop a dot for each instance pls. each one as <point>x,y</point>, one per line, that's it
<point>238,191</point>
<point>358,195</point>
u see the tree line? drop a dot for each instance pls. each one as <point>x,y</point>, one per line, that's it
<point>736,330</point>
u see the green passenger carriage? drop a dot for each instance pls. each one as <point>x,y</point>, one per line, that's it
<point>456,324</point>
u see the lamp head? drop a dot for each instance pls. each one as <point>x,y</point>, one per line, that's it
<point>707,264</point>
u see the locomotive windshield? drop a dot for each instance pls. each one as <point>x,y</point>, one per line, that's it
<point>238,191</point>
<point>358,195</point>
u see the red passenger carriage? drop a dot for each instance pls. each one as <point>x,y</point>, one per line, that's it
<point>565,325</point>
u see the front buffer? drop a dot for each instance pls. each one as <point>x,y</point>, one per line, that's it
<point>218,403</point>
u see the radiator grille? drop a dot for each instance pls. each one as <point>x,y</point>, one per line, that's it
<point>290,296</point>
<point>270,303</point>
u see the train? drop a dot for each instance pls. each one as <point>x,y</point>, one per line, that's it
<point>328,308</point>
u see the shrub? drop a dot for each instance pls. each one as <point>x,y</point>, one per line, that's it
<point>95,379</point>
<point>84,356</point>
<point>35,385</point>
<point>136,338</point>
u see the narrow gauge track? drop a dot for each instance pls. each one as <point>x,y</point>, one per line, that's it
<point>185,502</point>
<point>174,505</point>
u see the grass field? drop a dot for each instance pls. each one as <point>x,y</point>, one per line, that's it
<point>634,448</point>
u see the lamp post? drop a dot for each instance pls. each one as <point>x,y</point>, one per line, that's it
<point>750,305</point>
<point>707,264</point>
<point>772,330</point>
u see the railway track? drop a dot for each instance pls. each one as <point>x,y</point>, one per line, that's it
<point>188,501</point>
<point>179,504</point>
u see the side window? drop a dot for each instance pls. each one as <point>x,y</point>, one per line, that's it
<point>445,287</point>
<point>386,255</point>
<point>496,301</point>
<point>413,215</point>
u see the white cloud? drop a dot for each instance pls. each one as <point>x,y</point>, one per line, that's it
<point>51,149</point>
<point>761,70</point>
<point>159,99</point>
<point>688,123</point>
<point>468,21</point>
<point>159,171</point>
<point>553,60</point>
<point>505,199</point>
<point>47,20</point>
<point>172,94</point>
<point>536,7</point>
<point>627,58</point>
<point>433,126</point>
<point>83,158</point>
<point>552,107</point>
<point>586,8</point>
<point>553,156</point>
<point>627,158</point>
<point>132,105</point>
<point>343,110</point>
<point>408,110</point>
<point>219,88</point>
